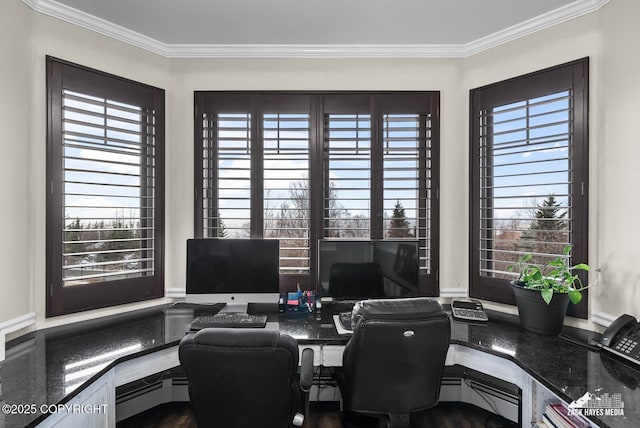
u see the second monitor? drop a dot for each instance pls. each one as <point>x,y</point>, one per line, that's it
<point>367,269</point>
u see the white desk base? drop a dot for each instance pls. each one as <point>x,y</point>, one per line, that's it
<point>102,391</point>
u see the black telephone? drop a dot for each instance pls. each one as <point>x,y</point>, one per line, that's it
<point>621,338</point>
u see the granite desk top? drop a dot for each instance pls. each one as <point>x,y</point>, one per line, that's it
<point>52,366</point>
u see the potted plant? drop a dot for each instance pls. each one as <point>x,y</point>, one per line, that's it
<point>543,293</point>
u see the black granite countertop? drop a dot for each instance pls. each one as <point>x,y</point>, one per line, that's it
<point>51,366</point>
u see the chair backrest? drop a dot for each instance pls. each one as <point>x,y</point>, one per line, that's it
<point>356,280</point>
<point>393,362</point>
<point>241,377</point>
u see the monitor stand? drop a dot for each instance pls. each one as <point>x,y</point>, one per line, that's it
<point>235,307</point>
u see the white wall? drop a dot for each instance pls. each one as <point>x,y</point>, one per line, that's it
<point>605,36</point>
<point>16,178</point>
<point>619,167</point>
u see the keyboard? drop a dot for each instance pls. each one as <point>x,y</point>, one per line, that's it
<point>229,320</point>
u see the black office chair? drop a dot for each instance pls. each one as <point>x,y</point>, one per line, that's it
<point>356,280</point>
<point>246,377</point>
<point>392,365</point>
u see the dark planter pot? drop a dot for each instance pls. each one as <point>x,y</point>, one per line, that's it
<point>536,315</point>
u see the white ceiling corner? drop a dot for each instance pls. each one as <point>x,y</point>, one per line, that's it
<point>82,19</point>
<point>538,23</point>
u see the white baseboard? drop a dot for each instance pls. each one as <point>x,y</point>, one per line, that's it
<point>454,292</point>
<point>175,293</point>
<point>602,318</point>
<point>14,324</point>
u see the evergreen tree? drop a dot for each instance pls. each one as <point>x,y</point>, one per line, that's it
<point>399,226</point>
<point>74,233</point>
<point>549,216</point>
<point>120,231</point>
<point>548,233</point>
<point>222,229</point>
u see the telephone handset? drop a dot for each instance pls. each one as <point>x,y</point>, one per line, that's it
<point>622,338</point>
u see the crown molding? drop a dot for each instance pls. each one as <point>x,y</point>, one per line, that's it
<point>73,16</point>
<point>315,51</point>
<point>540,22</point>
<point>82,19</point>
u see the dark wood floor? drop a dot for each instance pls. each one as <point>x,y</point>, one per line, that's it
<point>445,415</point>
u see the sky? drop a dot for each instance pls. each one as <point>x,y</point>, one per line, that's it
<point>112,168</point>
<point>527,169</point>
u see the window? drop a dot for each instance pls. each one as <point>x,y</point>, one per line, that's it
<point>227,181</point>
<point>347,203</point>
<point>299,167</point>
<point>529,172</point>
<point>287,201</point>
<point>409,170</point>
<point>105,180</point>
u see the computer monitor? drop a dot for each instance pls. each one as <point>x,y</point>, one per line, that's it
<point>367,269</point>
<point>233,271</point>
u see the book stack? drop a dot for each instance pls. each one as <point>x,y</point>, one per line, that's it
<point>557,415</point>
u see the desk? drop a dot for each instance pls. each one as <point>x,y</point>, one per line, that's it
<point>84,362</point>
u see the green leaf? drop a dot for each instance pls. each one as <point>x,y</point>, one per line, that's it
<point>581,266</point>
<point>547,295</point>
<point>566,250</point>
<point>526,257</point>
<point>554,272</point>
<point>537,275</point>
<point>575,296</point>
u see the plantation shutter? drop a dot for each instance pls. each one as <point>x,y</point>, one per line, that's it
<point>227,176</point>
<point>525,193</point>
<point>409,170</point>
<point>407,180</point>
<point>347,167</point>
<point>529,174</point>
<point>105,199</point>
<point>224,133</point>
<point>286,179</point>
<point>300,166</point>
<point>109,183</point>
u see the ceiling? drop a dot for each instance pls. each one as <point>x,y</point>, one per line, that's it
<point>175,24</point>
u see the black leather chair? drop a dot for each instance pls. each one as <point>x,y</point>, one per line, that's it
<point>246,377</point>
<point>392,365</point>
<point>356,280</point>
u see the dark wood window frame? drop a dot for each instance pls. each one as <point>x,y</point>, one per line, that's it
<point>573,77</point>
<point>60,300</point>
<point>320,104</point>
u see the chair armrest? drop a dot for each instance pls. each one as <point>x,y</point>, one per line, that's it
<point>306,369</point>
